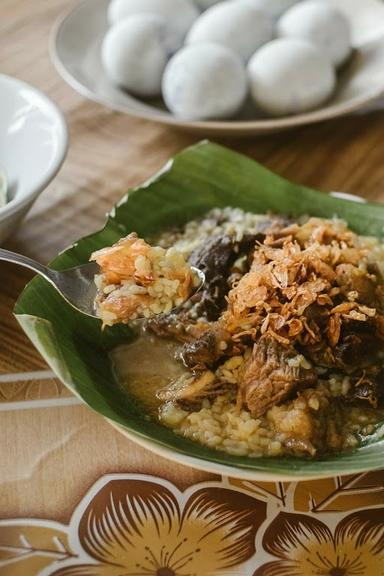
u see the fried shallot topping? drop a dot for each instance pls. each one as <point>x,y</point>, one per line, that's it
<point>309,286</point>
<point>311,303</point>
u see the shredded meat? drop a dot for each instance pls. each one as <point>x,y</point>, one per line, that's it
<point>191,389</point>
<point>272,374</point>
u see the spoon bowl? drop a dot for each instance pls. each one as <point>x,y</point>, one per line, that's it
<point>76,285</point>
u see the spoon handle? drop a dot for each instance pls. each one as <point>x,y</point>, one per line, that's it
<point>15,258</point>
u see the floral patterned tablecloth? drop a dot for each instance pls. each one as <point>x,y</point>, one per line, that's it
<point>78,499</point>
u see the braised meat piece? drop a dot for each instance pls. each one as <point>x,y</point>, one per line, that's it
<point>200,352</point>
<point>208,347</point>
<point>189,390</point>
<point>357,348</point>
<point>272,374</point>
<point>215,258</point>
<point>368,388</point>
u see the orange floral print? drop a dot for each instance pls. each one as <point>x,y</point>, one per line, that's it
<point>305,546</point>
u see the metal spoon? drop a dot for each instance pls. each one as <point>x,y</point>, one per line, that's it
<point>76,285</point>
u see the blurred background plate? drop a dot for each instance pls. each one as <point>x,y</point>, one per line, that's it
<point>75,50</point>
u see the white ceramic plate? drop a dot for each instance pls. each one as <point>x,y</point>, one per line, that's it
<point>33,145</point>
<point>75,50</point>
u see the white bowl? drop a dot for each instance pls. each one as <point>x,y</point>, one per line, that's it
<point>75,50</point>
<point>33,145</point>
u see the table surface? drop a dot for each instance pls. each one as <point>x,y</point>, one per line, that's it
<point>60,463</point>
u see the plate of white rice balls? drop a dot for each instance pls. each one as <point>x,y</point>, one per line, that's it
<point>230,67</point>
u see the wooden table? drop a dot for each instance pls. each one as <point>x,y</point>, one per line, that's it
<point>60,463</point>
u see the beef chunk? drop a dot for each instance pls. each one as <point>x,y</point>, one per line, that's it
<point>367,389</point>
<point>206,349</point>
<point>272,374</point>
<point>215,258</point>
<point>200,352</point>
<point>356,348</point>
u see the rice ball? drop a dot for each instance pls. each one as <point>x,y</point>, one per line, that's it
<point>133,54</point>
<point>288,76</point>
<point>204,4</point>
<point>178,14</point>
<point>321,24</point>
<point>233,24</point>
<point>204,81</point>
<point>273,7</point>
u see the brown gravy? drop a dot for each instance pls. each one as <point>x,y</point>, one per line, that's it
<point>145,366</point>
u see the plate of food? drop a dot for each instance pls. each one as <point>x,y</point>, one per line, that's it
<point>272,368</point>
<point>234,67</point>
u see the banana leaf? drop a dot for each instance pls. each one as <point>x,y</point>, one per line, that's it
<point>194,181</point>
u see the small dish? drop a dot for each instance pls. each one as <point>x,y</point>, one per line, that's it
<point>198,179</point>
<point>75,51</point>
<point>33,144</point>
